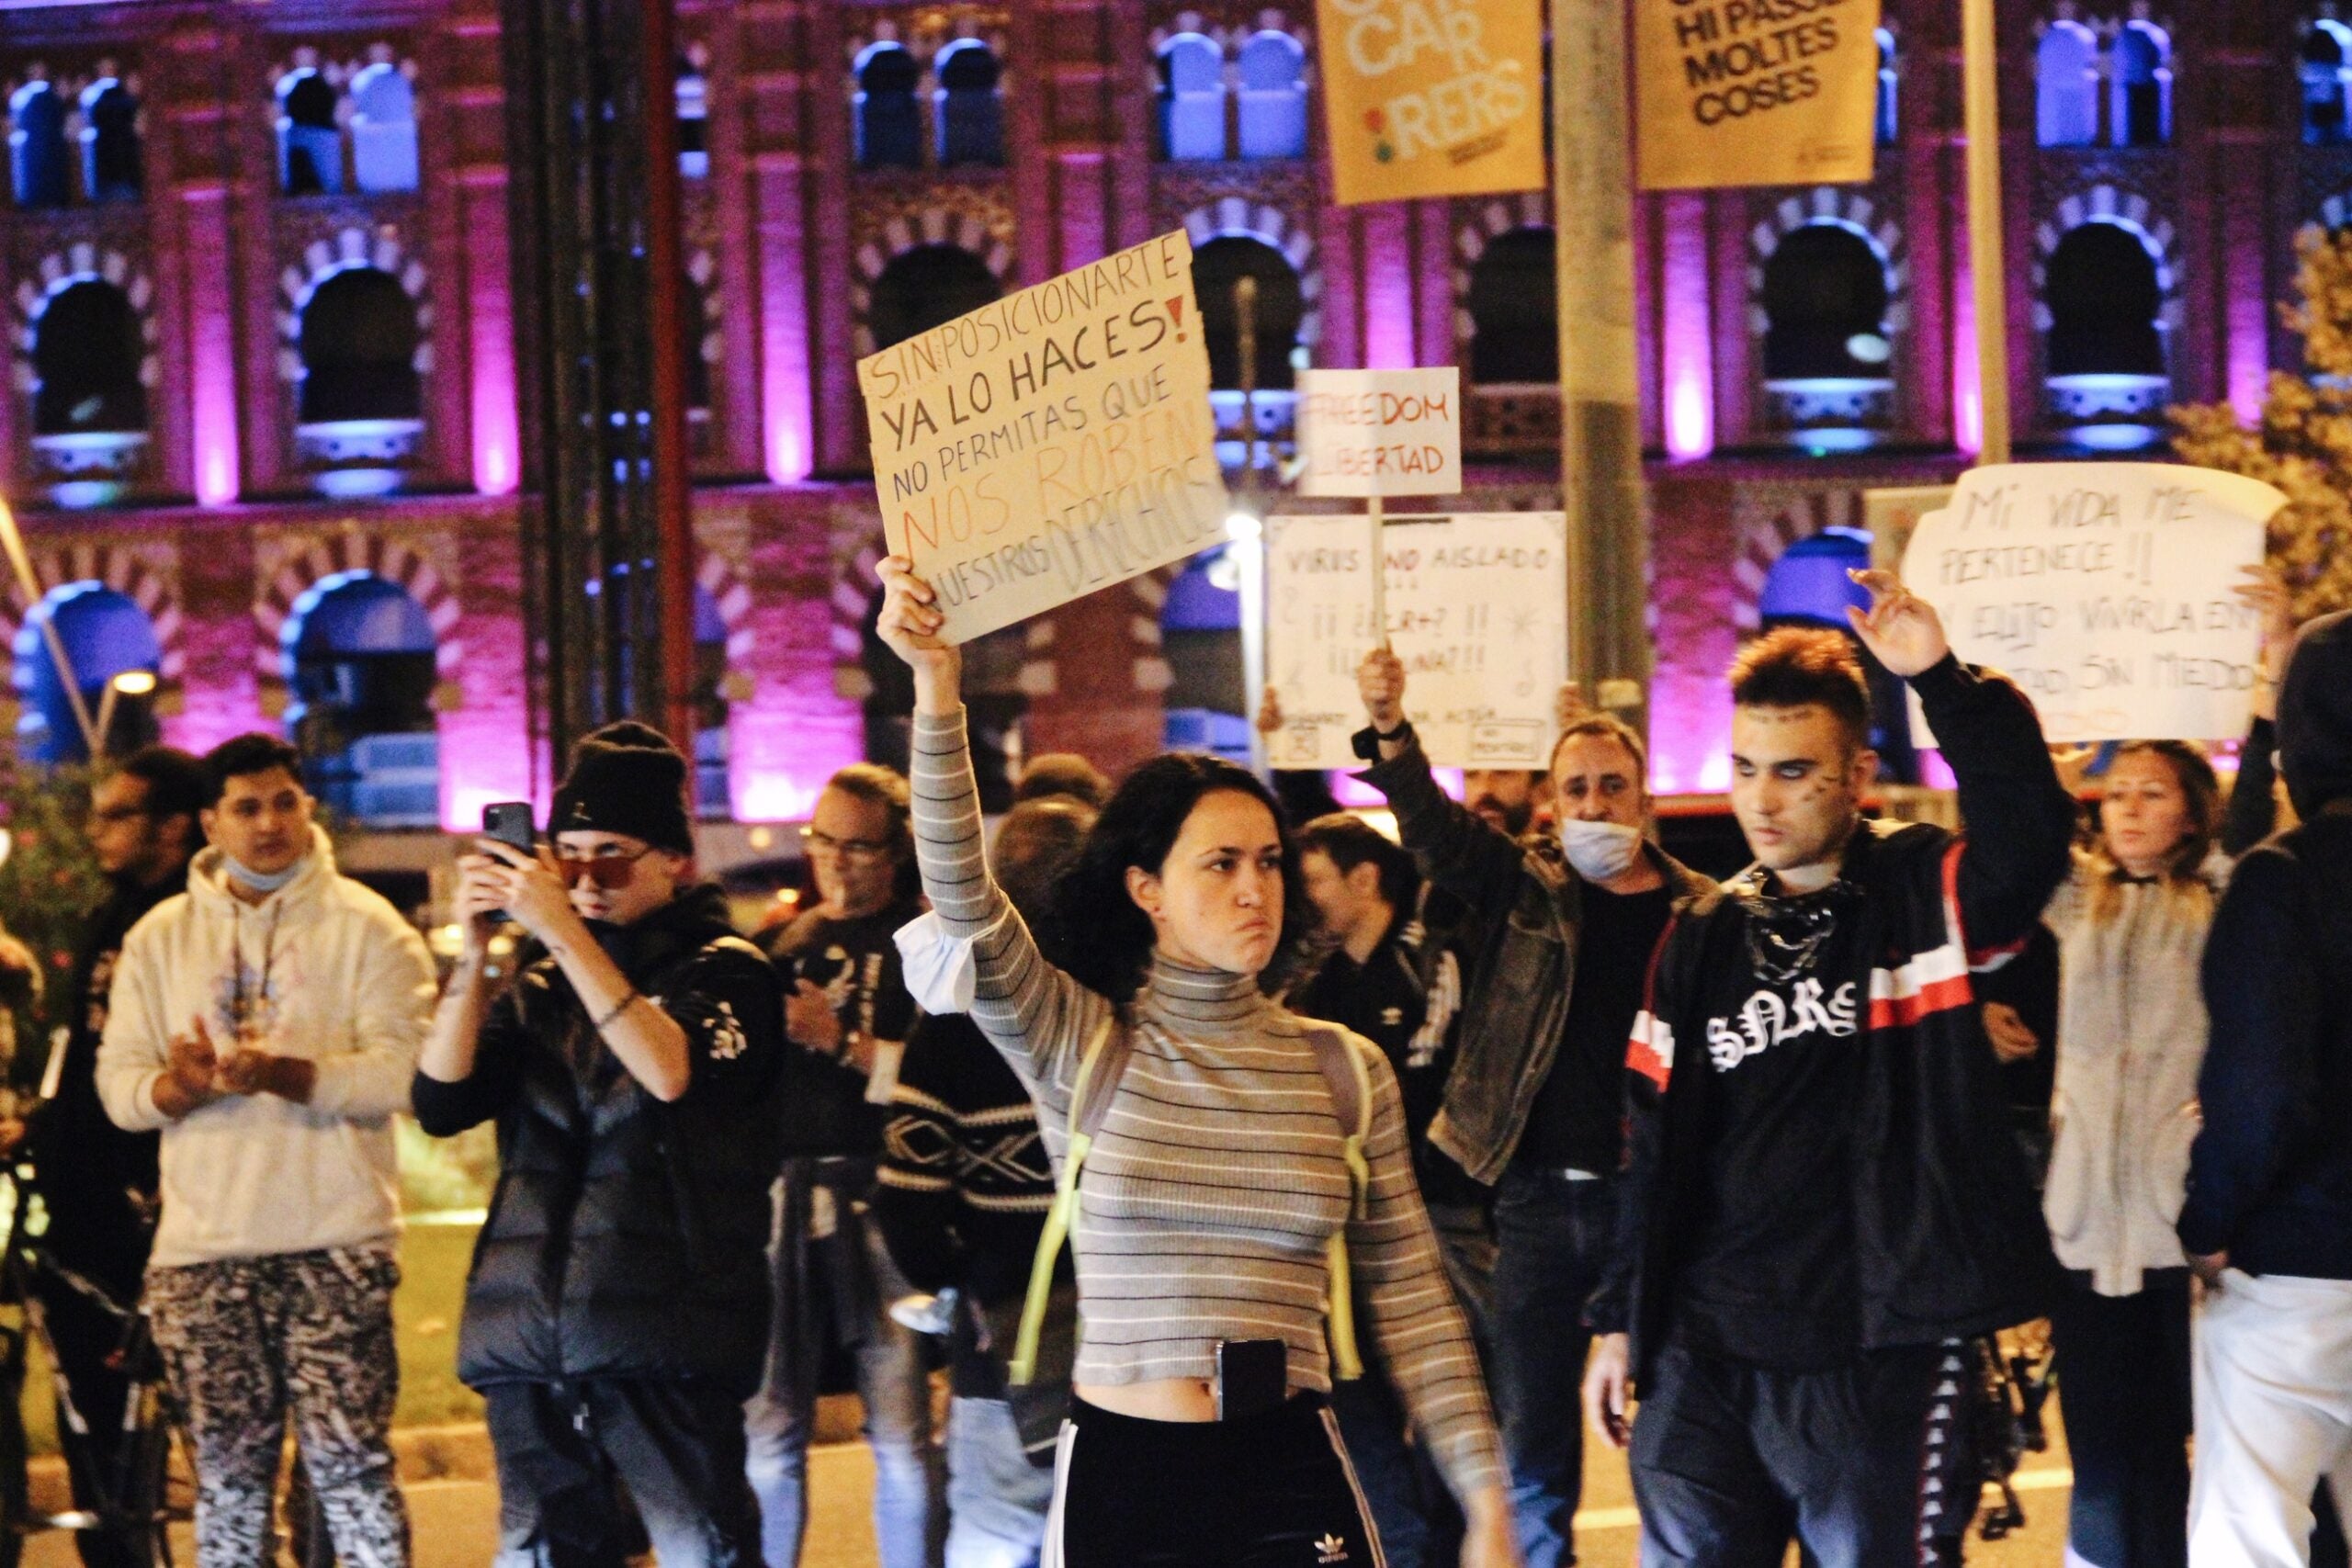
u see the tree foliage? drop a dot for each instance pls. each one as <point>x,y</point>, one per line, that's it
<point>2303,444</point>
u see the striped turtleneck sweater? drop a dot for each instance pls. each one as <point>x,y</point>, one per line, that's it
<point>1217,1176</point>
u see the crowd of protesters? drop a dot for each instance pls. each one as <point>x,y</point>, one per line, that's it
<point>1270,1189</point>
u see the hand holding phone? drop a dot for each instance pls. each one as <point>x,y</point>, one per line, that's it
<point>509,822</point>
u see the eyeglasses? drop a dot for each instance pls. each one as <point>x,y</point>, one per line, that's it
<point>609,866</point>
<point>854,852</point>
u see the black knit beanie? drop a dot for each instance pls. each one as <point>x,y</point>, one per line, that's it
<point>626,778</point>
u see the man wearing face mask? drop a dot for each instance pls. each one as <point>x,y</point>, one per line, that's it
<point>1563,930</point>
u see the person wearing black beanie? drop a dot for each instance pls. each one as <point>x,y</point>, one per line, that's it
<point>616,1311</point>
<point>2267,1223</point>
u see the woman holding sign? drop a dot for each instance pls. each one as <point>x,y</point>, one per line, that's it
<point>1245,1170</point>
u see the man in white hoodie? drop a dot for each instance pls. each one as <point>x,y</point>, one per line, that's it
<point>267,1023</point>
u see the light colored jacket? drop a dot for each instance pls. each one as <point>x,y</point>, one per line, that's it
<point>2130,1038</point>
<point>323,969</point>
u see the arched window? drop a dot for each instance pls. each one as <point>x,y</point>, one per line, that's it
<point>1889,118</point>
<point>383,129</point>
<point>105,634</point>
<point>86,352</point>
<point>1514,312</point>
<point>111,166</point>
<point>888,121</point>
<point>359,338</point>
<point>360,661</point>
<point>1272,67</point>
<point>1192,99</point>
<point>693,122</point>
<point>1217,267</point>
<point>2141,112</point>
<point>1824,300</point>
<point>970,108</point>
<point>39,162</point>
<point>1200,636</point>
<point>310,144</point>
<point>2104,295</point>
<point>2065,70</point>
<point>2327,77</point>
<point>927,287</point>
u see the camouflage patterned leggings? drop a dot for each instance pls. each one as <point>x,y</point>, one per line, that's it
<point>246,1340</point>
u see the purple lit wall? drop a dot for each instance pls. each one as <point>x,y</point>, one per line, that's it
<point>1686,350</point>
<point>1387,287</point>
<point>2249,309</point>
<point>497,440</point>
<point>1695,634</point>
<point>212,347</point>
<point>485,736</point>
<point>794,730</point>
<point>1967,397</point>
<point>788,441</point>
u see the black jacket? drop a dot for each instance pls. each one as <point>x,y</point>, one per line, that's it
<point>626,1237</point>
<point>1948,1232</point>
<point>2270,1174</point>
<point>94,1177</point>
<point>1526,906</point>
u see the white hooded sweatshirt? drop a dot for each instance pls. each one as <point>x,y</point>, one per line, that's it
<point>323,969</point>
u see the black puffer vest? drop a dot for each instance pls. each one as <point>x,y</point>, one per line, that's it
<point>627,1236</point>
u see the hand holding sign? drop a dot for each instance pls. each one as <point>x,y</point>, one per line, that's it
<point>2102,589</point>
<point>909,624</point>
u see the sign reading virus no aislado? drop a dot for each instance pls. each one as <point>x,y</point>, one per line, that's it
<point>1756,92</point>
<point>1052,442</point>
<point>1432,97</point>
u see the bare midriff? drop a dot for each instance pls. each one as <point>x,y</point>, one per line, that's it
<point>1162,1399</point>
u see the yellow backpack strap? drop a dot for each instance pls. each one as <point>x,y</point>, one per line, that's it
<point>1099,1066</point>
<point>1350,1081</point>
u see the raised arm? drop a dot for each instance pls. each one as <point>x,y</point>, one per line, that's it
<point>1038,1016</point>
<point>1454,847</point>
<point>2020,820</point>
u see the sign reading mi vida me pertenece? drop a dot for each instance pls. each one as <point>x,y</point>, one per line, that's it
<point>1432,97</point>
<point>1756,92</point>
<point>1477,608</point>
<point>1380,432</point>
<point>1051,444</point>
<point>2105,590</point>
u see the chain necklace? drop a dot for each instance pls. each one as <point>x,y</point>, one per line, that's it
<point>1786,935</point>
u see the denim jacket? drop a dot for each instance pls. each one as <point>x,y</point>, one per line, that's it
<point>1525,904</point>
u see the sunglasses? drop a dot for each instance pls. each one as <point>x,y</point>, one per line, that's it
<point>608,865</point>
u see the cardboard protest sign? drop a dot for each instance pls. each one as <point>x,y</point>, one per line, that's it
<point>1380,432</point>
<point>1052,442</point>
<point>2105,590</point>
<point>1755,92</point>
<point>1477,610</point>
<point>1432,97</point>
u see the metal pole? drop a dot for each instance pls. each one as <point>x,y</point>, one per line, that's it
<point>1986,261</point>
<point>1600,440</point>
<point>673,338</point>
<point>23,566</point>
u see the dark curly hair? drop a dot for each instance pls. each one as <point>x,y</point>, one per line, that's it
<point>1106,941</point>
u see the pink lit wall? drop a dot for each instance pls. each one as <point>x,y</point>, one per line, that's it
<point>2248,304</point>
<point>485,737</point>
<point>788,438</point>
<point>497,441</point>
<point>213,346</point>
<point>1967,397</point>
<point>1687,349</point>
<point>793,730</point>
<point>1387,286</point>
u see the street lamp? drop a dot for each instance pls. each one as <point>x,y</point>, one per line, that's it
<point>128,683</point>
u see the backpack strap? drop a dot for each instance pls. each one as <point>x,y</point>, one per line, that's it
<point>1350,1081</point>
<point>1100,1067</point>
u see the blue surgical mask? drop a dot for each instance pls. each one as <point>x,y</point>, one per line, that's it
<point>256,880</point>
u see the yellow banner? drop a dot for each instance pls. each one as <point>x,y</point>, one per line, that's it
<point>1432,97</point>
<point>1755,92</point>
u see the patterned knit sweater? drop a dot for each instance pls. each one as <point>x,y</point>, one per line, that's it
<point>1217,1176</point>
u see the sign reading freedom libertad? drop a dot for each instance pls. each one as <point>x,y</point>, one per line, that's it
<point>1052,442</point>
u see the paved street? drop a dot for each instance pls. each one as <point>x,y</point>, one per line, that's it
<point>457,1521</point>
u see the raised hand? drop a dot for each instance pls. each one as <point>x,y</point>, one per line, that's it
<point>1568,705</point>
<point>2074,765</point>
<point>2264,591</point>
<point>1380,680</point>
<point>909,624</point>
<point>1270,713</point>
<point>1901,630</point>
<point>527,888</point>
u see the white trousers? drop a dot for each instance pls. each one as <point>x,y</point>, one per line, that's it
<point>2274,1417</point>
